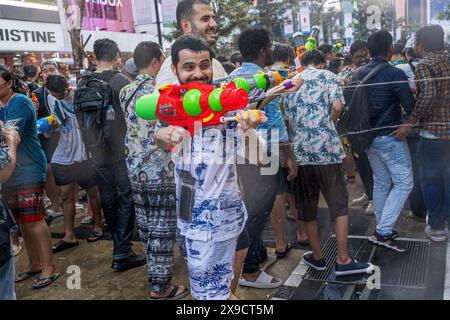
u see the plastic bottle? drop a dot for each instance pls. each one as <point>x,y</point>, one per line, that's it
<point>110,113</point>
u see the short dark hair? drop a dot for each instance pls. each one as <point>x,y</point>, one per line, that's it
<point>325,48</point>
<point>106,49</point>
<point>431,38</point>
<point>191,42</point>
<point>283,52</point>
<point>229,67</point>
<point>379,43</point>
<point>358,45</point>
<point>236,57</point>
<point>399,48</point>
<point>335,64</point>
<point>411,52</point>
<point>185,9</point>
<point>30,71</point>
<point>56,83</point>
<point>314,57</point>
<point>144,53</point>
<point>251,41</point>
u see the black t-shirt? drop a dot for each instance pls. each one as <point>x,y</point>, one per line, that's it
<point>117,148</point>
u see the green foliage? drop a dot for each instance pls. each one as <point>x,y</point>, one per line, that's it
<point>445,15</point>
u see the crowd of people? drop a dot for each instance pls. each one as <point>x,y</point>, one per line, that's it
<point>216,212</point>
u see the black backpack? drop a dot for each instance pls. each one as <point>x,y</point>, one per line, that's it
<point>355,119</point>
<point>92,98</point>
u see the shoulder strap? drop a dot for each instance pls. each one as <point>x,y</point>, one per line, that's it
<point>374,71</point>
<point>108,75</point>
<point>134,93</point>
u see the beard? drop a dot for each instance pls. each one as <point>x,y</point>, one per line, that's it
<point>206,34</point>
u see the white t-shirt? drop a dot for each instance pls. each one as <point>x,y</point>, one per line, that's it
<point>409,74</point>
<point>166,76</point>
<point>70,147</point>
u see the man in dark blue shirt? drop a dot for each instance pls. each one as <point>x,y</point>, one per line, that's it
<point>388,154</point>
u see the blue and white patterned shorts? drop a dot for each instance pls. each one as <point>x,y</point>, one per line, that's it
<point>210,266</point>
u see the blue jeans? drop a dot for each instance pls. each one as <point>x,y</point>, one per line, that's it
<point>7,275</point>
<point>434,170</point>
<point>391,164</point>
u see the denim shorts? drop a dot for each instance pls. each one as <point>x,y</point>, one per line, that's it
<point>210,266</point>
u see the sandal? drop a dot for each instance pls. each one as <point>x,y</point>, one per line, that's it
<point>173,294</point>
<point>95,236</point>
<point>264,281</point>
<point>22,276</point>
<point>281,255</point>
<point>42,282</point>
<point>62,245</point>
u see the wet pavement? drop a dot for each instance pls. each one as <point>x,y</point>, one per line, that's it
<point>99,281</point>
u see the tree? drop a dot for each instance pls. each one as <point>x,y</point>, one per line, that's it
<point>231,17</point>
<point>445,15</point>
<point>372,15</point>
<point>271,14</point>
<point>326,18</point>
<point>74,16</point>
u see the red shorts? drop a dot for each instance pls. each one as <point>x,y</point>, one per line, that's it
<point>26,201</point>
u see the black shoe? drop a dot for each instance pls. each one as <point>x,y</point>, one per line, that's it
<point>132,261</point>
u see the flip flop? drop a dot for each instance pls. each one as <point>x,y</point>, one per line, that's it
<point>47,281</point>
<point>95,236</point>
<point>62,245</point>
<point>281,255</point>
<point>172,295</point>
<point>27,274</point>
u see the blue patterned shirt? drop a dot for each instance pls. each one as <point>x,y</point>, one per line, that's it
<point>218,212</point>
<point>145,161</point>
<point>314,136</point>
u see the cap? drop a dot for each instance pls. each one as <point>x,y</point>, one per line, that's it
<point>131,68</point>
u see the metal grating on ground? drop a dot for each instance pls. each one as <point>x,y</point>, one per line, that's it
<point>329,254</point>
<point>414,269</point>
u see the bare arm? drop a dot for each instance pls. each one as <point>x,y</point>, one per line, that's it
<point>336,111</point>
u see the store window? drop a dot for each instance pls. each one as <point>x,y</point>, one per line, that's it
<point>110,12</point>
<point>95,10</point>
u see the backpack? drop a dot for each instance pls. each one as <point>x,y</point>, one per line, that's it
<point>92,98</point>
<point>356,116</point>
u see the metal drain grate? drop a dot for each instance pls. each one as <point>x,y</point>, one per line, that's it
<point>414,269</point>
<point>329,254</point>
<point>408,269</point>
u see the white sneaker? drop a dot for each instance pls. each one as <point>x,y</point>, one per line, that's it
<point>362,201</point>
<point>370,210</point>
<point>435,235</point>
<point>79,206</point>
